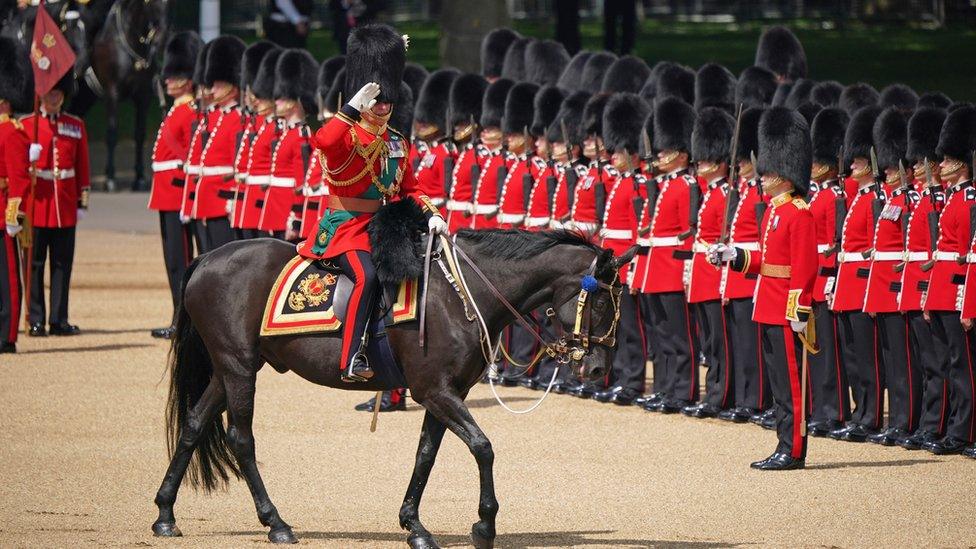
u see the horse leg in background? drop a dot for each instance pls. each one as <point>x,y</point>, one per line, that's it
<point>111,136</point>
<point>140,98</point>
<point>240,413</point>
<point>210,404</point>
<point>431,435</point>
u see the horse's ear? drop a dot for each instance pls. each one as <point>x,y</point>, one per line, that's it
<point>625,257</point>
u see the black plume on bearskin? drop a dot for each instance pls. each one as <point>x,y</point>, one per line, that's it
<point>784,147</point>
<point>890,136</point>
<point>711,136</point>
<point>263,86</point>
<point>180,55</point>
<point>16,75</point>
<point>327,73</point>
<point>780,51</point>
<point>401,119</point>
<point>514,66</point>
<point>756,87</point>
<point>251,62</point>
<point>593,114</point>
<point>827,94</point>
<point>546,106</point>
<point>923,133</point>
<point>958,136</point>
<point>593,71</point>
<point>673,122</point>
<point>200,68</point>
<point>570,116</point>
<point>545,61</point>
<point>375,53</point>
<point>827,133</point>
<point>224,60</point>
<point>395,235</point>
<point>859,137</point>
<point>572,77</point>
<point>936,99</point>
<point>809,111</point>
<point>676,81</point>
<point>295,78</point>
<point>334,98</point>
<point>626,74</point>
<point>493,48</point>
<point>749,133</point>
<point>493,103</point>
<point>714,87</point>
<point>857,96</point>
<point>415,75</point>
<point>465,99</point>
<point>623,122</point>
<point>518,110</point>
<point>431,105</point>
<point>800,93</point>
<point>899,96</point>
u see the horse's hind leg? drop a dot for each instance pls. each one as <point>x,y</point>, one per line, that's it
<point>430,441</point>
<point>210,404</point>
<point>140,98</point>
<point>240,412</point>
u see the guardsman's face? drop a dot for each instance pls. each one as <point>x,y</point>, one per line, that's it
<point>559,152</point>
<point>774,185</point>
<point>223,92</point>
<point>592,147</point>
<point>425,131</point>
<point>746,169</point>
<point>860,168</point>
<point>53,100</point>
<point>516,142</point>
<point>491,137</point>
<point>286,108</point>
<point>953,171</point>
<point>542,147</point>
<point>178,87</point>
<point>623,161</point>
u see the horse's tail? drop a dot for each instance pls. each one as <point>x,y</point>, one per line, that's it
<point>190,373</point>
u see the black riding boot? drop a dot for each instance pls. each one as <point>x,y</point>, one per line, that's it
<point>359,268</point>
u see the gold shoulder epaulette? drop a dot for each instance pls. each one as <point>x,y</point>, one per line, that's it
<point>800,203</point>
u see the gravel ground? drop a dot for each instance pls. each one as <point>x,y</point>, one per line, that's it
<point>82,452</point>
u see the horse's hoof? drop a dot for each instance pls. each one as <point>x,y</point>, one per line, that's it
<point>422,541</point>
<point>166,530</point>
<point>481,538</point>
<point>282,535</point>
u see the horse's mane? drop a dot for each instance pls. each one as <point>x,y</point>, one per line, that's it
<point>515,244</point>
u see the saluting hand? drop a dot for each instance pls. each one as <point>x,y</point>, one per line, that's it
<point>365,98</point>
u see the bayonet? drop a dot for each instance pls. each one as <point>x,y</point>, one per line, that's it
<point>732,198</point>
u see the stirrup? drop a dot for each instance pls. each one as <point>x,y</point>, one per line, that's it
<point>363,375</point>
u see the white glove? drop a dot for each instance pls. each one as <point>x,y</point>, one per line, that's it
<point>184,219</point>
<point>365,98</point>
<point>81,213</point>
<point>229,207</point>
<point>12,230</point>
<point>798,327</point>
<point>720,253</point>
<point>437,225</point>
<point>34,152</point>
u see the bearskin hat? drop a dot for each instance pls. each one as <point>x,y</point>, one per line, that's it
<point>782,92</point>
<point>545,61</point>
<point>936,99</point>
<point>16,77</point>
<point>295,78</point>
<point>780,51</point>
<point>251,62</point>
<point>180,55</point>
<point>415,75</point>
<point>676,81</point>
<point>401,119</point>
<point>263,86</point>
<point>333,99</point>
<point>224,60</point>
<point>859,137</point>
<point>327,74</point>
<point>711,135</point>
<point>958,136</point>
<point>673,122</point>
<point>800,93</point>
<point>756,87</point>
<point>856,96</point>
<point>749,133</point>
<point>958,105</point>
<point>570,116</point>
<point>899,96</point>
<point>594,69</point>
<point>518,108</point>
<point>623,122</point>
<point>626,74</point>
<point>200,68</point>
<point>923,133</point>
<point>546,106</point>
<point>593,114</point>
<point>809,111</point>
<point>493,103</point>
<point>784,147</point>
<point>649,89</point>
<point>375,53</point>
<point>514,66</point>
<point>572,77</point>
<point>827,94</point>
<point>714,87</point>
<point>465,98</point>
<point>827,134</point>
<point>890,135</point>
<point>493,48</point>
<point>431,105</point>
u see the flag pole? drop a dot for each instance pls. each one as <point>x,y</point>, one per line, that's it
<point>27,234</point>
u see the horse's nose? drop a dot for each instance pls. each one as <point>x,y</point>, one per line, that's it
<point>597,372</point>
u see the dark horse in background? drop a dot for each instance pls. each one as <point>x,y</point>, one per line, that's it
<point>19,25</point>
<point>218,352</point>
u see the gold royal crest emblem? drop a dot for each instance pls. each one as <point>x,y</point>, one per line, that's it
<point>313,290</point>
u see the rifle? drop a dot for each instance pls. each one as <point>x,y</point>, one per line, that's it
<point>600,193</point>
<point>527,181</point>
<point>653,191</point>
<point>761,205</point>
<point>905,216</point>
<point>732,200</point>
<point>448,174</point>
<point>571,177</point>
<point>475,170</point>
<point>932,219</point>
<point>878,203</point>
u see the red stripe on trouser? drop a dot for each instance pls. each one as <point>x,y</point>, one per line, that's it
<point>972,387</point>
<point>837,362</point>
<point>796,393</point>
<point>10,248</point>
<point>693,392</point>
<point>728,359</point>
<point>879,407</point>
<point>348,331</point>
<point>643,336</point>
<point>908,367</point>
<point>759,361</point>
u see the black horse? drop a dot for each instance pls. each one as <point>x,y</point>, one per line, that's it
<point>217,353</point>
<point>19,25</point>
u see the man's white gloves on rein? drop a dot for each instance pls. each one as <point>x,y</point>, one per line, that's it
<point>437,225</point>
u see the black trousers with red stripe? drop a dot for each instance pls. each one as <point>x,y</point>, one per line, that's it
<point>674,347</point>
<point>935,390</point>
<point>783,353</point>
<point>830,394</point>
<point>956,348</point>
<point>177,251</point>
<point>630,358</point>
<point>213,233</point>
<point>10,288</point>
<point>902,377</point>
<point>716,346</point>
<point>857,337</point>
<point>60,243</point>
<point>358,266</point>
<point>749,375</point>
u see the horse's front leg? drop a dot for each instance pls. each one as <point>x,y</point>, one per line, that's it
<point>141,99</point>
<point>431,435</point>
<point>111,136</point>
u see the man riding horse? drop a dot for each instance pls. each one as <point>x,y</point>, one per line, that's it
<point>366,165</point>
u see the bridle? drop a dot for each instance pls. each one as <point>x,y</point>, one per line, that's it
<point>150,39</point>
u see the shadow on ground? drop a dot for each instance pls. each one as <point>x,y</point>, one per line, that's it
<point>871,464</point>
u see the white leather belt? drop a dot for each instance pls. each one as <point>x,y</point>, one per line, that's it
<point>49,174</point>
<point>644,242</point>
<point>970,257</point>
<point>917,256</point>
<point>216,170</point>
<point>191,169</point>
<point>584,226</point>
<point>845,257</point>
<point>510,218</point>
<point>699,248</point>
<point>484,209</point>
<point>889,256</point>
<point>166,165</point>
<point>617,234</point>
<point>945,256</point>
<point>751,246</point>
<point>258,179</point>
<point>537,221</point>
<point>455,206</point>
<point>437,201</point>
<point>662,241</point>
<point>240,177</point>
<point>556,225</point>
<point>821,248</point>
<point>282,181</point>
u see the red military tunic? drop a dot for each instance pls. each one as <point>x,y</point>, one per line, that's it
<point>703,285</point>
<point>583,214</point>
<point>14,170</point>
<point>216,184</point>
<point>418,150</point>
<point>967,299</point>
<point>889,251</point>
<point>169,152</point>
<point>671,217</point>
<point>856,240</point>
<point>823,206</point>
<point>62,170</point>
<point>539,213</point>
<point>258,170</point>
<point>744,234</point>
<point>511,198</point>
<point>191,168</point>
<point>619,230</point>
<point>462,187</point>
<point>251,124</point>
<point>561,212</point>
<point>954,243</point>
<point>288,166</point>
<point>432,171</point>
<point>485,201</point>
<point>316,193</point>
<point>915,281</point>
